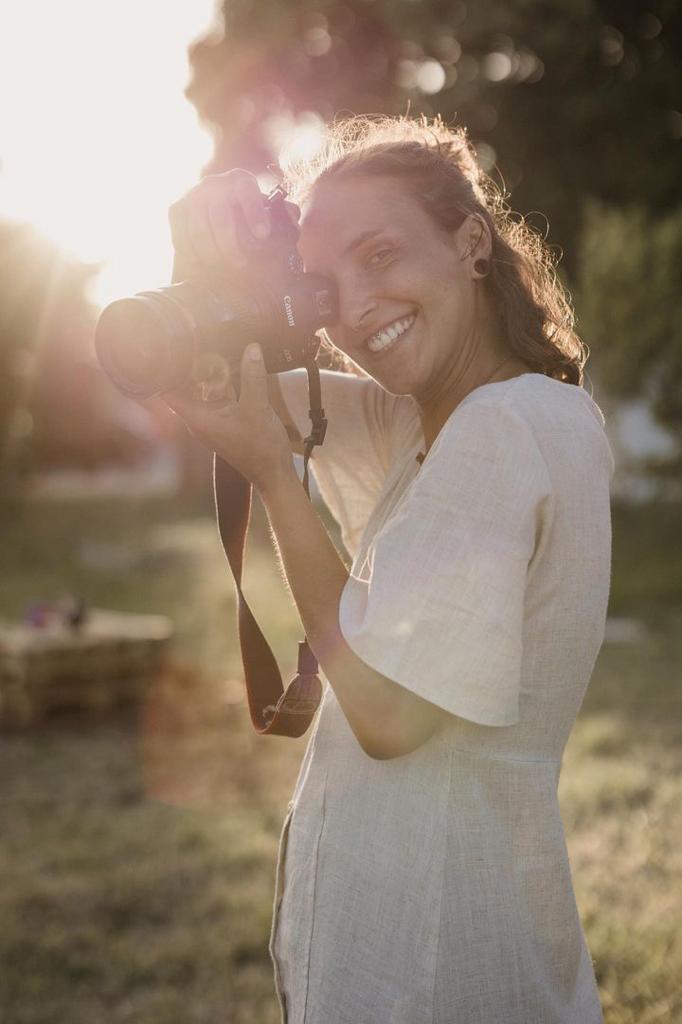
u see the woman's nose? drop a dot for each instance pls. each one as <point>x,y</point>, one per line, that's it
<point>356,308</point>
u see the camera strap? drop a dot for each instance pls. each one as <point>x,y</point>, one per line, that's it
<point>274,710</point>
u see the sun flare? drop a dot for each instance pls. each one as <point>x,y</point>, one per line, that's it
<point>98,138</point>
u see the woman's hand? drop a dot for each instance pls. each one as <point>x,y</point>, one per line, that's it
<point>207,222</point>
<point>222,222</point>
<point>219,224</point>
<point>244,431</point>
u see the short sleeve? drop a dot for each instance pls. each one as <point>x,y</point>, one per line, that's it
<point>365,427</point>
<point>438,605</point>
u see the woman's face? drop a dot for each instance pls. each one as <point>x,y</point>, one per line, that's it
<point>405,287</point>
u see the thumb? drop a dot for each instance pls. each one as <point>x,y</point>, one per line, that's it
<point>254,384</point>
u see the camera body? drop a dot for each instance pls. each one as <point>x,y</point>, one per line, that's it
<point>153,342</point>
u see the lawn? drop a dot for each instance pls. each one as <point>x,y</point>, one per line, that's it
<point>138,849</point>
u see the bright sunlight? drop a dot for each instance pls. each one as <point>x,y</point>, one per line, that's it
<point>96,135</point>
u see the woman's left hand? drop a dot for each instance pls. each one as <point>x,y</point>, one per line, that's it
<point>245,432</point>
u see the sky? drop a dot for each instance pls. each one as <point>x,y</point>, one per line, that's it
<point>96,136</point>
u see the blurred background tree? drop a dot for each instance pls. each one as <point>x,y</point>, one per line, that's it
<point>630,295</point>
<point>56,408</point>
<point>574,107</point>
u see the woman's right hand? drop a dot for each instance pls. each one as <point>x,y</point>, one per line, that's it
<point>222,222</point>
<point>219,223</point>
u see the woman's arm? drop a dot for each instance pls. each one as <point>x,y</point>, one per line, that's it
<point>386,719</point>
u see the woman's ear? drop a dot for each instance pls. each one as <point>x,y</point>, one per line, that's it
<point>475,244</point>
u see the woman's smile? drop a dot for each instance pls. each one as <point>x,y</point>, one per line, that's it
<point>388,337</point>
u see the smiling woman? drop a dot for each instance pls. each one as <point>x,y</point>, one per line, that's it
<point>94,148</point>
<point>422,873</point>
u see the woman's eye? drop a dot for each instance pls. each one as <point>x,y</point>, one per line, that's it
<point>378,258</point>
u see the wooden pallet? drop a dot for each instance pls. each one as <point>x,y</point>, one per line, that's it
<point>104,662</point>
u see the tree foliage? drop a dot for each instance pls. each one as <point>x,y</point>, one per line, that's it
<point>630,287</point>
<point>53,401</point>
<point>571,103</point>
<point>39,288</point>
<point>568,99</point>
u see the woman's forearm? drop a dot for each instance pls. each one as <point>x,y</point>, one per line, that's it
<point>316,576</point>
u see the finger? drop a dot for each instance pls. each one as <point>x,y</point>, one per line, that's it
<point>156,406</point>
<point>221,193</point>
<point>185,258</point>
<point>221,217</point>
<point>212,368</point>
<point>251,202</point>
<point>235,209</point>
<point>218,393</point>
<point>202,237</point>
<point>187,403</point>
<point>254,381</point>
<point>182,405</point>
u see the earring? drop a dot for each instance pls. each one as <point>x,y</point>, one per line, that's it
<point>482,267</point>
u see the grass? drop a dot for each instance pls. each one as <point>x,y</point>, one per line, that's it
<point>137,851</point>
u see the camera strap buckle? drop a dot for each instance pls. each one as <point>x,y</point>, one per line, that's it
<point>317,434</point>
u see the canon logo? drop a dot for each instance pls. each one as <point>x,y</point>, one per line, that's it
<point>288,309</point>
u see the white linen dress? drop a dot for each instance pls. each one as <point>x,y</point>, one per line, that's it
<point>435,887</point>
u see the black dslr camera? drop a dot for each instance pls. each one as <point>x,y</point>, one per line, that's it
<point>152,342</point>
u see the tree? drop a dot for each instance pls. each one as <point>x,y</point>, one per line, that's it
<point>630,298</point>
<point>52,397</point>
<point>38,288</point>
<point>569,102</point>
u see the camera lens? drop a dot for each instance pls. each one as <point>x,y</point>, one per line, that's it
<point>144,345</point>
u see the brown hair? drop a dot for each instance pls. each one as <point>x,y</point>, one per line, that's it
<point>440,164</point>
